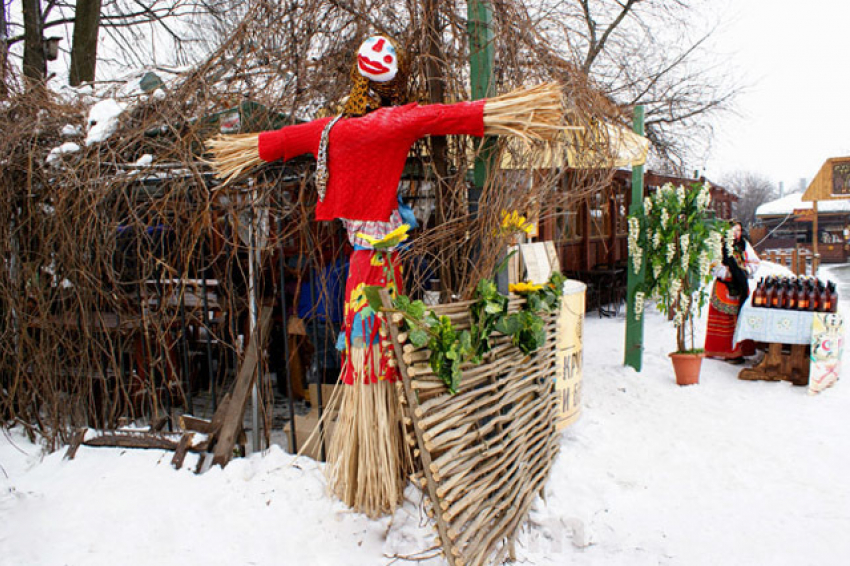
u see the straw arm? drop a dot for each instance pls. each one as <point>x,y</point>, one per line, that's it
<point>531,114</point>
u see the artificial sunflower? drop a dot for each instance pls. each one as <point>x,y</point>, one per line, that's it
<point>391,240</point>
<point>524,287</point>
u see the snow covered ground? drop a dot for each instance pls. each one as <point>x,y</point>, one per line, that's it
<point>727,472</point>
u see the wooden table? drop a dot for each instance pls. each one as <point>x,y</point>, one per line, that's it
<point>788,337</point>
<point>781,362</point>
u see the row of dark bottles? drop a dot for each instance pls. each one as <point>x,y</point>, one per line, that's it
<point>796,293</point>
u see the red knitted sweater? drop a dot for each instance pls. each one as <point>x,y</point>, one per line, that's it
<point>366,155</point>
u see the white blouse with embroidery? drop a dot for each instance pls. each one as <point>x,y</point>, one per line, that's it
<point>751,265</point>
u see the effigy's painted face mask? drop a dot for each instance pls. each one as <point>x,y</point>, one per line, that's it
<point>377,59</point>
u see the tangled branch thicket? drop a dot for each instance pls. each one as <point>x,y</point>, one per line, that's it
<point>124,284</point>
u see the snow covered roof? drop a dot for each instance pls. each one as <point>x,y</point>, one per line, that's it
<point>788,204</point>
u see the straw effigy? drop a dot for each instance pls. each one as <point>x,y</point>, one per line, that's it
<point>368,459</point>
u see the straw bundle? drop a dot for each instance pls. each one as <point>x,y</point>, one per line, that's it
<point>531,114</point>
<point>368,458</point>
<point>233,154</point>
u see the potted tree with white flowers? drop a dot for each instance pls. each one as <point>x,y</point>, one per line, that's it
<point>676,236</point>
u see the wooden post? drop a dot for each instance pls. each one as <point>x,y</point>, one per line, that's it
<point>816,258</point>
<point>435,86</point>
<point>585,235</point>
<point>634,323</point>
<point>481,61</point>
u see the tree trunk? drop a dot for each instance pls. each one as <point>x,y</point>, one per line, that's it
<point>435,81</point>
<point>4,50</point>
<point>84,46</point>
<point>35,65</point>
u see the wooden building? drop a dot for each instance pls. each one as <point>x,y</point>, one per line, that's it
<point>591,236</point>
<point>791,222</point>
<point>594,232</point>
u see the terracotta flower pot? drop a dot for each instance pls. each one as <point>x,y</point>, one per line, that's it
<point>687,367</point>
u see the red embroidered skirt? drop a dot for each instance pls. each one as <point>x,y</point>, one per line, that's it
<point>366,354</point>
<point>720,328</point>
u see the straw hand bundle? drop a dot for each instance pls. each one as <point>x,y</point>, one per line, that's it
<point>530,114</point>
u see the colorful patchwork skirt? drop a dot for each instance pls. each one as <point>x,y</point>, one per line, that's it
<point>366,355</point>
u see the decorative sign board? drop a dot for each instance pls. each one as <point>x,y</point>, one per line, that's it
<point>569,353</point>
<point>827,347</point>
<point>841,179</point>
<point>540,260</point>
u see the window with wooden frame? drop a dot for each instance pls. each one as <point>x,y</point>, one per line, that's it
<point>622,213</point>
<point>600,214</point>
<point>568,224</point>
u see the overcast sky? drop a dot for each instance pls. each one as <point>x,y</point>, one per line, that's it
<point>796,113</point>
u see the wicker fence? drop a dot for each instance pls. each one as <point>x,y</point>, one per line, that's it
<point>486,451</point>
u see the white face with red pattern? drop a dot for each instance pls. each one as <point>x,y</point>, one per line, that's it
<point>377,59</point>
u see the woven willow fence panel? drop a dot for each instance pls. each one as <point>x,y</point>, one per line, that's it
<point>486,451</point>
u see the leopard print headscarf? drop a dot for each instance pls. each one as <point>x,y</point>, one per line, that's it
<point>367,95</point>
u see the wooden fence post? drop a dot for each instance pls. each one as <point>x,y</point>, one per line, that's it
<point>634,322</point>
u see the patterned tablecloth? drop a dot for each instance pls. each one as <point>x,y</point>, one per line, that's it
<point>824,332</point>
<point>774,325</point>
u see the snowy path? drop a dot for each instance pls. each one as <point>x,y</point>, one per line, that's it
<point>723,473</point>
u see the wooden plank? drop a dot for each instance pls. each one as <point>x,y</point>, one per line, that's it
<point>232,422</point>
<point>159,423</point>
<point>180,452</point>
<point>145,440</point>
<point>779,366</point>
<point>190,423</point>
<point>76,440</point>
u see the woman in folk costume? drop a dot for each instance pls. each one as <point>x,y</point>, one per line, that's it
<point>360,158</point>
<point>730,291</point>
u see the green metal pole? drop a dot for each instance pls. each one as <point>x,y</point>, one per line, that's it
<point>481,62</point>
<point>634,324</point>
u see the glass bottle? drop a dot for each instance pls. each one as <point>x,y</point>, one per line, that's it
<point>827,300</point>
<point>770,293</point>
<point>813,295</point>
<point>802,295</point>
<point>791,296</point>
<point>779,298</point>
<point>760,294</point>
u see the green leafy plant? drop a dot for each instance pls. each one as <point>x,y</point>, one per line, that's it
<point>525,329</point>
<point>489,307</point>
<point>675,237</point>
<point>451,348</point>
